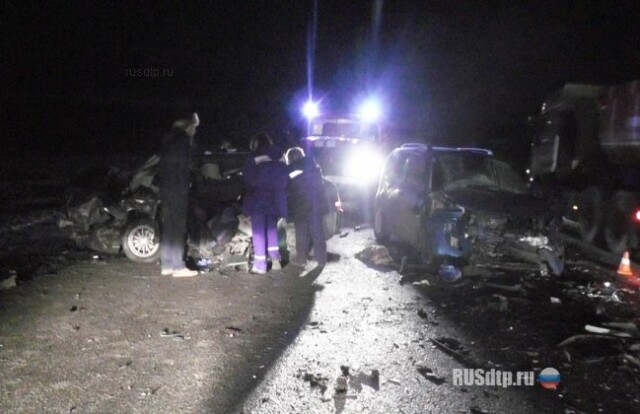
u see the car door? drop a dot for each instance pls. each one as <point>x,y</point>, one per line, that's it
<point>411,199</point>
<point>392,182</point>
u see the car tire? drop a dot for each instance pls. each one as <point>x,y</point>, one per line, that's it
<point>141,240</point>
<point>619,233</point>
<point>380,227</point>
<point>590,214</point>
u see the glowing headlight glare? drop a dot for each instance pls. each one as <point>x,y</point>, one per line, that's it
<point>370,110</point>
<point>365,166</point>
<point>310,109</point>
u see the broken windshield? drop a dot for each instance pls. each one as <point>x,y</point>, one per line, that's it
<point>457,170</point>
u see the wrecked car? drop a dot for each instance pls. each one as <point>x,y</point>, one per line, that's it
<point>464,211</point>
<point>111,211</point>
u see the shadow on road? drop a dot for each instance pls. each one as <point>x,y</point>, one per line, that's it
<point>288,320</point>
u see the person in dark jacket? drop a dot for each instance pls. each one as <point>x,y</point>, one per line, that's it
<point>174,171</point>
<point>308,205</point>
<point>265,200</point>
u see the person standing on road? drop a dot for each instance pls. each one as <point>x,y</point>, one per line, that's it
<point>308,205</point>
<point>174,171</point>
<point>265,200</point>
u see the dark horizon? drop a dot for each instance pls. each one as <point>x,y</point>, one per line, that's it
<point>88,75</point>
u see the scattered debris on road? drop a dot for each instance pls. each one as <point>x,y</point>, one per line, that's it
<point>454,348</point>
<point>166,333</point>
<point>375,255</point>
<point>233,328</point>
<point>430,375</point>
<point>314,380</point>
<point>498,303</point>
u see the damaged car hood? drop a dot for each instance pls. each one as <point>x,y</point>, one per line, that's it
<point>499,202</point>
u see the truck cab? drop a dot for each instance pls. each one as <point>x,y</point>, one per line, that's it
<point>351,152</point>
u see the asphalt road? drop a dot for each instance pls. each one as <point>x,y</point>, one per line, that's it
<point>377,331</point>
<point>86,335</point>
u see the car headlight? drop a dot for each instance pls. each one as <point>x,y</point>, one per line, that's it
<point>364,165</point>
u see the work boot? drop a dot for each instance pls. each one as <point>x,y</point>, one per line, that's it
<point>297,264</point>
<point>257,271</point>
<point>276,265</point>
<point>185,273</point>
<point>260,266</point>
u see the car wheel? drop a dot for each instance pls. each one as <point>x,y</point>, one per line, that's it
<point>590,214</point>
<point>141,240</point>
<point>380,226</point>
<point>618,231</point>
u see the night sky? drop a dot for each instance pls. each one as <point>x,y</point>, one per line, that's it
<point>96,77</point>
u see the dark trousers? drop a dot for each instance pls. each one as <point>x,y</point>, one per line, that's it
<point>310,233</point>
<point>174,231</point>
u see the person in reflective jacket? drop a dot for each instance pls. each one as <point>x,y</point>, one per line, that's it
<point>307,204</point>
<point>265,201</point>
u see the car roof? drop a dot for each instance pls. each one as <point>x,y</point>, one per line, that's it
<point>425,148</point>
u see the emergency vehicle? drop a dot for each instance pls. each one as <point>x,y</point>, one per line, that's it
<point>351,150</point>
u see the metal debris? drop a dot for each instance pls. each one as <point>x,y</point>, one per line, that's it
<point>314,380</point>
<point>375,255</point>
<point>629,327</point>
<point>516,288</point>
<point>166,333</point>
<point>448,345</point>
<point>632,359</point>
<point>605,331</point>
<point>578,338</point>
<point>233,328</point>
<point>499,303</point>
<point>430,375</point>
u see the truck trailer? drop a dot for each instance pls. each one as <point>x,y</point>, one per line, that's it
<point>585,159</point>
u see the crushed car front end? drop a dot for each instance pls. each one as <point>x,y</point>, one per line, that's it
<point>480,239</point>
